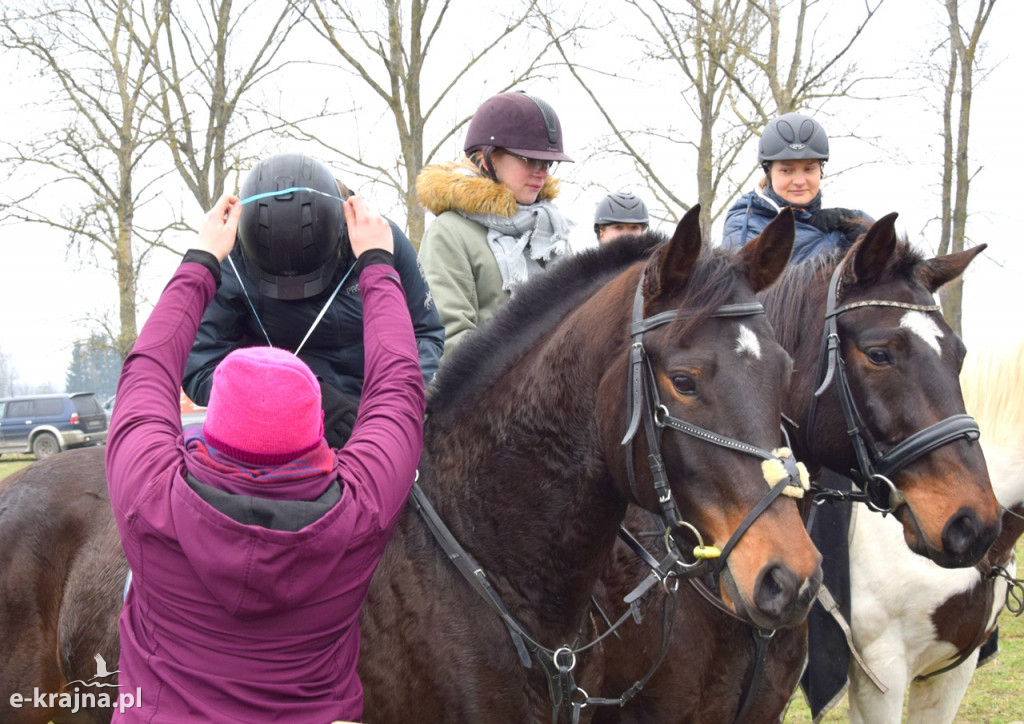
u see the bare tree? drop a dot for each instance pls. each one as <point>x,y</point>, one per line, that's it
<point>964,51</point>
<point>734,75</point>
<point>389,53</point>
<point>99,60</point>
<point>199,94</point>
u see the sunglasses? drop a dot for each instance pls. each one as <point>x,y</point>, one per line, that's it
<point>536,164</point>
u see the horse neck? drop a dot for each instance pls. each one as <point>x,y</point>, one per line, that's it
<point>521,480</point>
<point>796,310</point>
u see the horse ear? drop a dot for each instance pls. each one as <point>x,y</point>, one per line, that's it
<point>766,256</point>
<point>677,258</point>
<point>944,269</point>
<point>868,258</point>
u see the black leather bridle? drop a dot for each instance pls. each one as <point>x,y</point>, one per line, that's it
<point>567,698</point>
<point>874,467</point>
<point>644,405</point>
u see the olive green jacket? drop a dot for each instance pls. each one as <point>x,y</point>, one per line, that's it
<point>459,266</point>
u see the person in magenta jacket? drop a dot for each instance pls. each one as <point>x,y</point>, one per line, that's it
<point>251,542</point>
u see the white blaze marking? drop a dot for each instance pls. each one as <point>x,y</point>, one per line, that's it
<point>747,343</point>
<point>924,327</point>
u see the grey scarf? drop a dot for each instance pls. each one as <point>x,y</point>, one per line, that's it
<point>522,243</point>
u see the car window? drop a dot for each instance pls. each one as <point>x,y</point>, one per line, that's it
<point>87,405</point>
<point>48,407</point>
<point>19,408</point>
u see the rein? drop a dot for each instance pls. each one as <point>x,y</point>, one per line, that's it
<point>566,696</point>
<point>874,468</point>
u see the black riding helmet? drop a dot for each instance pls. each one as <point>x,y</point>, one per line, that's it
<point>291,243</point>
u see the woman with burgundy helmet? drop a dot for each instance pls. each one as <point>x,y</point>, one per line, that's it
<point>251,542</point>
<point>792,152</point>
<point>496,224</point>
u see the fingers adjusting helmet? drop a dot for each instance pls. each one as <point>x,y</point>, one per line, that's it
<point>291,242</point>
<point>792,136</point>
<point>520,124</point>
<point>620,208</point>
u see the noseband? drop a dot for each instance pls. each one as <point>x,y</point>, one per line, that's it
<point>874,467</point>
<point>644,405</point>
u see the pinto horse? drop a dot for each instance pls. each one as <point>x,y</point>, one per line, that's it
<point>917,626</point>
<point>480,609</point>
<point>875,365</point>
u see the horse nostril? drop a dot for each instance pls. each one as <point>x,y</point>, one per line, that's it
<point>776,590</point>
<point>964,538</point>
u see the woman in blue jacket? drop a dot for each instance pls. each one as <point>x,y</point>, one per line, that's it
<point>286,285</point>
<point>792,152</point>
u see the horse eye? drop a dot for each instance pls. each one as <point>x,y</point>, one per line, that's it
<point>879,356</point>
<point>684,385</point>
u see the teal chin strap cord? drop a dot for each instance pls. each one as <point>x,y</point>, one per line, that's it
<point>285,192</point>
<point>323,311</point>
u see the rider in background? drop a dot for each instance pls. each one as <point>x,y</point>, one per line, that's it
<point>292,264</point>
<point>792,152</point>
<point>251,542</point>
<point>619,214</point>
<point>496,224</point>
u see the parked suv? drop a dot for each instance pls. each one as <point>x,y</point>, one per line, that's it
<point>44,425</point>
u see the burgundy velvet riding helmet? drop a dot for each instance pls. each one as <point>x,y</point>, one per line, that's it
<point>518,123</point>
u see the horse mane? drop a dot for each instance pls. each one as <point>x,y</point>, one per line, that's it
<point>543,301</point>
<point>537,306</point>
<point>992,382</point>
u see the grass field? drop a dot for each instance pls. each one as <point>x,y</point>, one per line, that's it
<point>996,695</point>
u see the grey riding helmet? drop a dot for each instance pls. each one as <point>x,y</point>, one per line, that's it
<point>520,124</point>
<point>291,243</point>
<point>620,208</point>
<point>792,137</point>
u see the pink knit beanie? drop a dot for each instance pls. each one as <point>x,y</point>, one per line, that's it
<point>264,407</point>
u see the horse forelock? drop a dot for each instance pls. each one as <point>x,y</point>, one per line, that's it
<point>715,280</point>
<point>536,307</point>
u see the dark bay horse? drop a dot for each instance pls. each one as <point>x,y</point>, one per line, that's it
<point>525,465</point>
<point>889,349</point>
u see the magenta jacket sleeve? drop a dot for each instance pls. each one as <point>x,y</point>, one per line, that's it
<point>384,450</point>
<point>142,444</point>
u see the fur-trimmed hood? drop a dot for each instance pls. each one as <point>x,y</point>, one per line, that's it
<point>460,186</point>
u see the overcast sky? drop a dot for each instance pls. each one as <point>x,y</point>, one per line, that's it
<point>44,296</point>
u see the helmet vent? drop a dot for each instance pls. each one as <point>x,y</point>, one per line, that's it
<point>550,119</point>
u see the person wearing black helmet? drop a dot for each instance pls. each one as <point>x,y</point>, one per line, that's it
<point>496,224</point>
<point>792,152</point>
<point>292,282</point>
<point>620,213</point>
